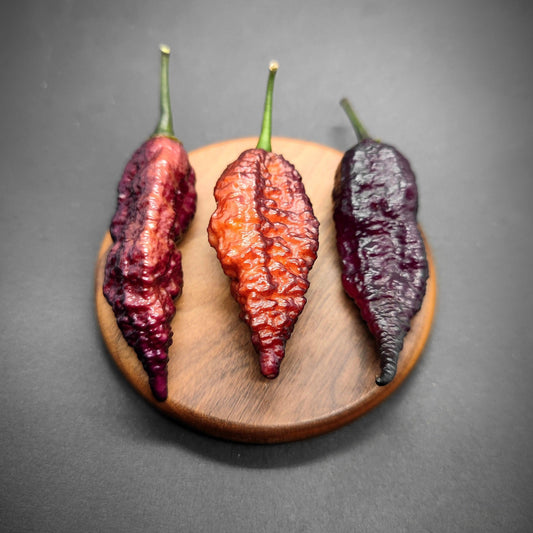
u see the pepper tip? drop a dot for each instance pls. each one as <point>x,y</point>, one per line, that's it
<point>387,374</point>
<point>273,66</point>
<point>158,385</point>
<point>270,361</point>
<point>165,49</point>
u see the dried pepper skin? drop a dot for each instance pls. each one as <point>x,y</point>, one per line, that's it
<point>384,263</point>
<point>266,238</point>
<point>143,273</point>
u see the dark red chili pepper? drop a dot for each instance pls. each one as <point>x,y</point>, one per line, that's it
<point>384,265</point>
<point>266,238</point>
<point>143,274</point>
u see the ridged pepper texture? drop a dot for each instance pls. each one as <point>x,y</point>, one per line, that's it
<point>384,264</point>
<point>143,273</point>
<point>266,238</point>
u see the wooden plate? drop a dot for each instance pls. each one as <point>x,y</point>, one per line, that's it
<point>327,376</point>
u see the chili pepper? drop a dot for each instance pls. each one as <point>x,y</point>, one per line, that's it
<point>384,265</point>
<point>266,237</point>
<point>143,273</point>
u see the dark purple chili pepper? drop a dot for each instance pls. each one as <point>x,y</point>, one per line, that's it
<point>384,264</point>
<point>143,274</point>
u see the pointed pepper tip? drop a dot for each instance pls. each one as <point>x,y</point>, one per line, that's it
<point>387,374</point>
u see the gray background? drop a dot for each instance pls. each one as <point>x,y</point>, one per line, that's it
<point>450,83</point>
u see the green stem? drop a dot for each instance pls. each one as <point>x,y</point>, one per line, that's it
<point>360,130</point>
<point>264,141</point>
<point>164,126</point>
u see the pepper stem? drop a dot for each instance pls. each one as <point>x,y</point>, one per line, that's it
<point>360,130</point>
<point>164,126</point>
<point>265,138</point>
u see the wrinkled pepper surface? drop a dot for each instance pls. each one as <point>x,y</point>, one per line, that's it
<point>143,272</point>
<point>384,264</point>
<point>266,238</point>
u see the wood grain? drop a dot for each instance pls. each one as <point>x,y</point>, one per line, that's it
<point>215,386</point>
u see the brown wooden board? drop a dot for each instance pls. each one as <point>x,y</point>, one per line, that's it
<point>215,386</point>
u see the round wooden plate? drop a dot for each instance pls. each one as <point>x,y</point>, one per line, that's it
<point>327,376</point>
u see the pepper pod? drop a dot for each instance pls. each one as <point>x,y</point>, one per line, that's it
<point>384,264</point>
<point>143,273</point>
<point>266,238</point>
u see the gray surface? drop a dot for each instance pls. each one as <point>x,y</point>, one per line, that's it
<point>450,83</point>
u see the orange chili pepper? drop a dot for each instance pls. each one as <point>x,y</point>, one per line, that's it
<point>266,238</point>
